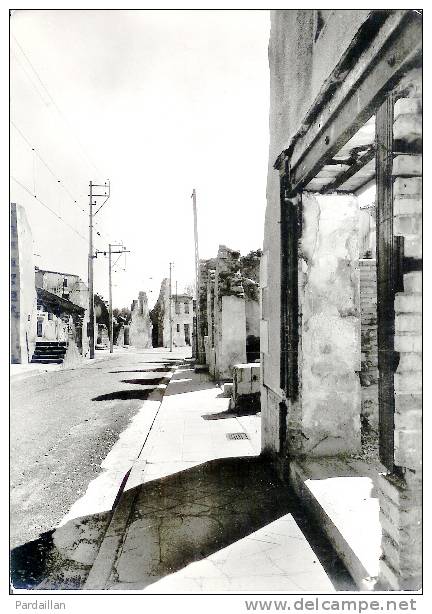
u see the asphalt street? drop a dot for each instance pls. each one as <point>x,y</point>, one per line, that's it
<point>63,424</point>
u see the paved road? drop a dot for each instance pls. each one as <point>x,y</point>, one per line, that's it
<point>63,424</point>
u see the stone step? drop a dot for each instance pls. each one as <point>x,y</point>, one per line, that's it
<point>47,361</point>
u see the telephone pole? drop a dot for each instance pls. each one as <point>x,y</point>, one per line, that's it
<point>110,253</point>
<point>106,187</point>
<point>171,264</point>
<point>199,348</point>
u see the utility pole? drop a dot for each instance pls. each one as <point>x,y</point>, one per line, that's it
<point>110,253</point>
<point>171,264</point>
<point>199,349</point>
<point>93,202</point>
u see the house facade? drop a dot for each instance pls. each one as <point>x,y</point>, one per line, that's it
<point>67,316</point>
<point>341,267</point>
<point>179,326</point>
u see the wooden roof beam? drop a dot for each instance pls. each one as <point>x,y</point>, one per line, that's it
<point>354,168</point>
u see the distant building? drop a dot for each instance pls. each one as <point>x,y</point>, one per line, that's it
<point>62,308</point>
<point>140,327</point>
<point>181,322</point>
<point>182,319</point>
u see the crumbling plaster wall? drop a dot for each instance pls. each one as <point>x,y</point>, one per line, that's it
<point>294,57</point>
<point>329,301</point>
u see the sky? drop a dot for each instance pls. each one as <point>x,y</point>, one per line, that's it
<point>159,103</point>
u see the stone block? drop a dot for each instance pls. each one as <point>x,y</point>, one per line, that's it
<point>408,381</point>
<point>408,401</point>
<point>407,206</point>
<point>408,323</point>
<point>408,303</point>
<point>407,166</point>
<point>410,361</point>
<point>407,225</point>
<point>413,248</point>
<point>407,186</point>
<point>408,343</point>
<point>408,446</point>
<point>404,561</point>
<point>413,282</point>
<point>408,420</point>
<point>408,127</point>
<point>399,492</point>
<point>408,106</point>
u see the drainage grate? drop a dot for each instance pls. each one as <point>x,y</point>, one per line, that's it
<point>237,436</point>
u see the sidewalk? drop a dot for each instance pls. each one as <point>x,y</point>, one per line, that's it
<point>201,512</point>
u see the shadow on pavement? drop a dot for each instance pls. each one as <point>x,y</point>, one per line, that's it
<point>187,516</point>
<point>150,381</point>
<point>171,522</point>
<point>155,370</point>
<point>233,413</point>
<point>126,395</point>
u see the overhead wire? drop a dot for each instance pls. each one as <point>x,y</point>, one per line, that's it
<point>53,174</point>
<point>24,187</point>
<point>84,154</point>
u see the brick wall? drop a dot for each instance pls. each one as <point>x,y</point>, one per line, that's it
<point>400,492</point>
<point>369,349</point>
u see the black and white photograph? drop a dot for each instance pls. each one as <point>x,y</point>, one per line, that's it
<point>215,314</point>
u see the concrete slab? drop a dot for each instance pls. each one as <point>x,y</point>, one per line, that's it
<point>342,496</point>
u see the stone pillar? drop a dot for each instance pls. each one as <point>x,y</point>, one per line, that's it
<point>329,345</point>
<point>401,490</point>
<point>230,314</point>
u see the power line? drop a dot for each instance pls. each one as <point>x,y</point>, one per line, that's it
<point>49,208</point>
<point>54,175</point>
<point>62,185</point>
<point>55,105</point>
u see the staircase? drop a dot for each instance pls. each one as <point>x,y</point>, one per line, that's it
<point>49,352</point>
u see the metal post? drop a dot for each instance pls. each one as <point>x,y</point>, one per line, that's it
<point>199,341</point>
<point>170,308</point>
<point>90,277</point>
<point>110,302</point>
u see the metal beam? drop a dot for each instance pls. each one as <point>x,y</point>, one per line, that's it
<point>347,111</point>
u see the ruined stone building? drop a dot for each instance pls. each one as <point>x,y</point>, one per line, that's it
<point>180,327</point>
<point>182,319</point>
<point>23,292</point>
<point>341,281</point>
<point>140,327</point>
<point>229,310</point>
